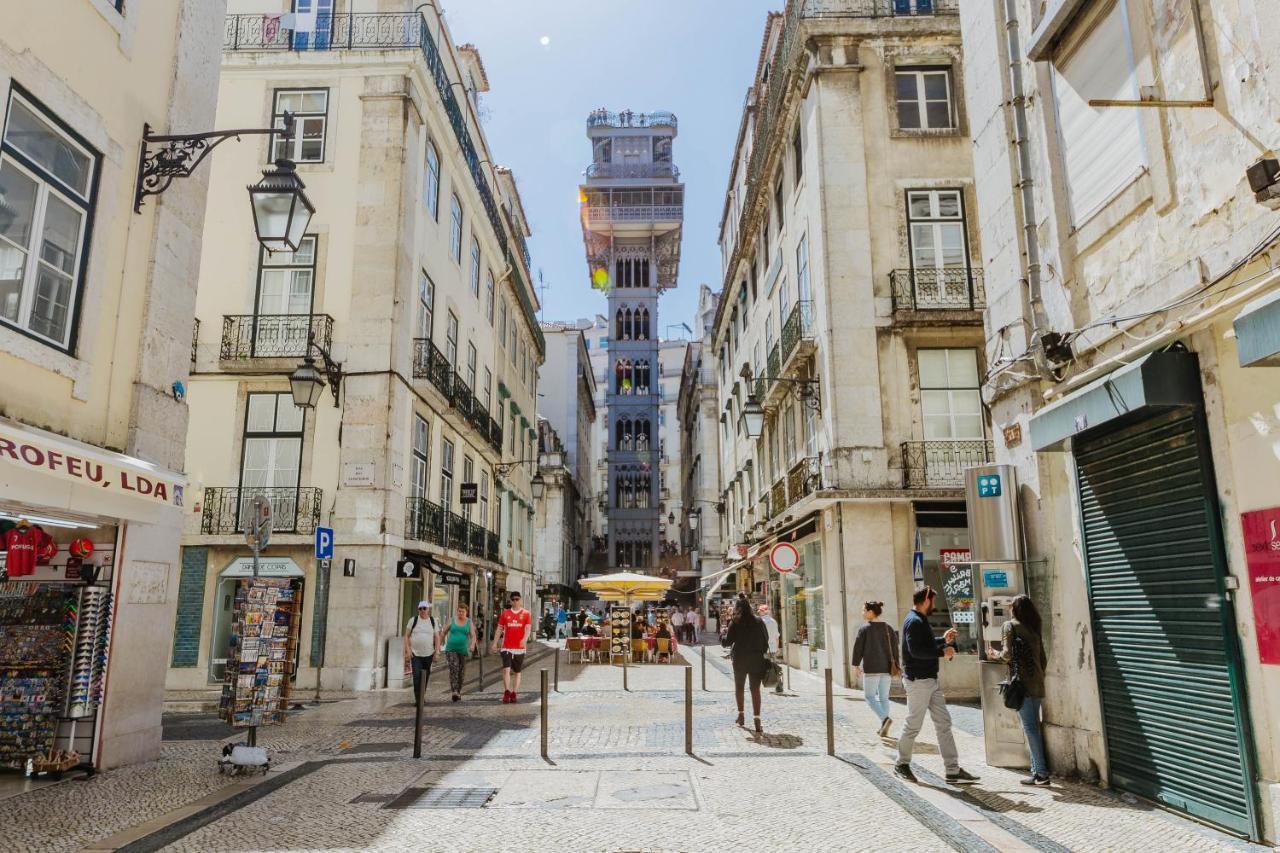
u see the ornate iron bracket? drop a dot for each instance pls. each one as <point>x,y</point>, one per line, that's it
<point>178,155</point>
<point>808,390</point>
<point>502,469</point>
<point>332,369</point>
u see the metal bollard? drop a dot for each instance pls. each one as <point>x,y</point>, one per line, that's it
<point>688,710</point>
<point>831,721</point>
<point>544,712</point>
<point>556,653</point>
<point>704,667</point>
<point>417,717</point>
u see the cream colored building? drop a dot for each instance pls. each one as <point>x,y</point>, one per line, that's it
<point>851,313</point>
<point>1132,331</point>
<point>95,322</point>
<point>415,278</point>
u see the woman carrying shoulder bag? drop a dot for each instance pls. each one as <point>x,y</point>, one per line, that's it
<point>1023,650</point>
<point>875,654</point>
<point>748,639</point>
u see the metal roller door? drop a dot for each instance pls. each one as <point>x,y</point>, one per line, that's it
<point>1167,657</point>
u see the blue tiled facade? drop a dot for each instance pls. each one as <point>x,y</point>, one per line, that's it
<point>186,630</point>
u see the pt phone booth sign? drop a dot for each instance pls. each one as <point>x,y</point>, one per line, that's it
<point>1262,553</point>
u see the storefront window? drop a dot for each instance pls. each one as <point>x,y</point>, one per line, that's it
<point>805,608</point>
<point>951,545</point>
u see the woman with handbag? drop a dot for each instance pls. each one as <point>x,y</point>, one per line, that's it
<point>875,654</point>
<point>748,639</point>
<point>1023,650</point>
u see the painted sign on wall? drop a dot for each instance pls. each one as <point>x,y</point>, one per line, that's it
<point>1262,553</point>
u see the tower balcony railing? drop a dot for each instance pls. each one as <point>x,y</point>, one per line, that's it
<point>273,335</point>
<point>633,170</point>
<point>627,118</point>
<point>940,464</point>
<point>636,213</point>
<point>938,289</point>
<point>878,8</point>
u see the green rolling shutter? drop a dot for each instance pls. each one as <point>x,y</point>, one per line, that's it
<point>1167,657</point>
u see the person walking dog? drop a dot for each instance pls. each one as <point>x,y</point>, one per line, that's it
<point>1022,648</point>
<point>920,654</point>
<point>875,654</point>
<point>459,644</point>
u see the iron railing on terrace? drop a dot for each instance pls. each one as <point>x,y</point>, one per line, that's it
<point>456,532</point>
<point>431,364</point>
<point>273,335</point>
<point>938,289</point>
<point>879,8</point>
<point>940,464</point>
<point>627,118</point>
<point>797,328</point>
<point>226,510</point>
<point>632,170</point>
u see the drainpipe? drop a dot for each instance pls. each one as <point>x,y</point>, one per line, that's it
<point>1026,183</point>
<point>844,602</point>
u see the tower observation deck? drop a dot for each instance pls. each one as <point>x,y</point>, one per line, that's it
<point>632,213</point>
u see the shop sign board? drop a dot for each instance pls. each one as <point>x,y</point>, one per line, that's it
<point>468,493</point>
<point>1262,554</point>
<point>957,583</point>
<point>989,486</point>
<point>784,557</point>
<point>408,569</point>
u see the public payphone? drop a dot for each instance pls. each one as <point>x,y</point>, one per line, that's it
<point>998,564</point>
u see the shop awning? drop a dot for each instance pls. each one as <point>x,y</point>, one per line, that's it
<point>268,567</point>
<point>1258,332</point>
<point>1156,382</point>
<point>715,580</point>
<point>41,468</point>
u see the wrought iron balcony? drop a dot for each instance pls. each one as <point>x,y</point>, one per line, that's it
<point>633,170</point>
<point>457,533</point>
<point>778,496</point>
<point>430,364</point>
<point>941,464</point>
<point>226,510</point>
<point>491,546</point>
<point>797,329</point>
<point>461,396</point>
<point>495,434</point>
<point>424,521</point>
<point>479,418</point>
<point>804,478</point>
<point>775,361</point>
<point>273,335</point>
<point>934,289</point>
<point>475,541</point>
<point>626,118</point>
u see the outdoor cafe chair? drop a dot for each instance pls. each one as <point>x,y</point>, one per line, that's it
<point>575,645</point>
<point>639,650</point>
<point>663,648</point>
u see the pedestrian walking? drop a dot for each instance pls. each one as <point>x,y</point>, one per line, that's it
<point>774,652</point>
<point>875,655</point>
<point>459,644</point>
<point>562,622</point>
<point>920,654</point>
<point>748,639</point>
<point>514,627</point>
<point>677,623</point>
<point>1022,648</point>
<point>420,634</point>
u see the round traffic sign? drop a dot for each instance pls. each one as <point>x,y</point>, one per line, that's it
<point>784,557</point>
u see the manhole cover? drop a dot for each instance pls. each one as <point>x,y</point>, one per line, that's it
<point>368,797</point>
<point>438,797</point>
<point>393,746</point>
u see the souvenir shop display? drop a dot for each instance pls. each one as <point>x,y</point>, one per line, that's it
<point>37,630</point>
<point>88,663</point>
<point>264,641</point>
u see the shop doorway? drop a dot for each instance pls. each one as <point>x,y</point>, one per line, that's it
<point>224,600</point>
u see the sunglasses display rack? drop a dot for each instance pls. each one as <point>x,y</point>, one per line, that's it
<point>37,628</point>
<point>88,662</point>
<point>264,642</point>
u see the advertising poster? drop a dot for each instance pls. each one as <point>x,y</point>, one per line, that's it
<point>957,583</point>
<point>1262,553</point>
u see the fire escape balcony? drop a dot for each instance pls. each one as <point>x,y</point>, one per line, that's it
<point>941,464</point>
<point>249,336</point>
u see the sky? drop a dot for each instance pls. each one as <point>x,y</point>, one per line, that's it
<point>550,62</point>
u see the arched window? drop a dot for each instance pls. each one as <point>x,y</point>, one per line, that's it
<point>627,325</point>
<point>617,331</point>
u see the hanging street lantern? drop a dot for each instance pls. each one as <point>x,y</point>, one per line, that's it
<point>281,209</point>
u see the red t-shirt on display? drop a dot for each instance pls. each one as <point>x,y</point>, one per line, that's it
<point>513,624</point>
<point>21,547</point>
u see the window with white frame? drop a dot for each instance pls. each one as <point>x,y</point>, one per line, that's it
<point>451,341</point>
<point>426,306</point>
<point>797,153</point>
<point>455,229</point>
<point>271,456</point>
<point>471,367</point>
<point>310,108</point>
<point>511,348</point>
<point>475,267</point>
<point>421,457</point>
<point>502,322</point>
<point>488,388</point>
<point>1102,147</point>
<point>485,521</point>
<point>46,183</point>
<point>468,476</point>
<point>950,400</point>
<point>924,98</point>
<point>488,297</point>
<point>802,267</point>
<point>446,475</point>
<point>431,181</point>
<point>936,229</point>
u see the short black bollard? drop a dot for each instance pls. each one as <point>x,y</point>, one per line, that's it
<point>703,649</point>
<point>831,722</point>
<point>417,716</point>
<point>544,712</point>
<point>688,710</point>
<point>556,653</point>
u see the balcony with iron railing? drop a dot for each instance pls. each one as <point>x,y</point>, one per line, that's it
<point>462,398</point>
<point>247,336</point>
<point>797,334</point>
<point>457,532</point>
<point>930,289</point>
<point>634,205</point>
<point>424,521</point>
<point>940,464</point>
<point>774,391</point>
<point>227,509</point>
<point>491,546</point>
<point>632,170</point>
<point>627,118</point>
<point>475,540</point>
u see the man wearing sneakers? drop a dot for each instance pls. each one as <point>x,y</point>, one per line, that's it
<point>920,654</point>
<point>514,627</point>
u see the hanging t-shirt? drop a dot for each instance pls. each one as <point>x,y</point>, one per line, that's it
<point>513,624</point>
<point>22,547</point>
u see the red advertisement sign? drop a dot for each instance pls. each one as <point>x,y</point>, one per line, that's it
<point>1262,552</point>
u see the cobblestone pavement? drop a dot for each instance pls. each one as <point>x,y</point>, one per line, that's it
<point>617,779</point>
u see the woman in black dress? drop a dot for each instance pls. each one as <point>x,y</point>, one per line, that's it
<point>749,640</point>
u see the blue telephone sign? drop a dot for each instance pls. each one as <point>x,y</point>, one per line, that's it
<point>988,485</point>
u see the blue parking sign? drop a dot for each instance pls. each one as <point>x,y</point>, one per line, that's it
<point>988,485</point>
<point>324,543</point>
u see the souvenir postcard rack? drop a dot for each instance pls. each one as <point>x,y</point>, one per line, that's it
<point>264,644</point>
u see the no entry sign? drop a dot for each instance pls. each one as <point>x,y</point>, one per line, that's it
<point>784,557</point>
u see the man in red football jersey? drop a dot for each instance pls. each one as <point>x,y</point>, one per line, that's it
<point>514,626</point>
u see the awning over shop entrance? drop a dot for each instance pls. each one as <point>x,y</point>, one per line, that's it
<point>268,567</point>
<point>1156,382</point>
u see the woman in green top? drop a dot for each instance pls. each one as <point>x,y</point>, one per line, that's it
<point>459,642</point>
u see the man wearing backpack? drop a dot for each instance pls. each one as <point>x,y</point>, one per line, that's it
<point>420,645</point>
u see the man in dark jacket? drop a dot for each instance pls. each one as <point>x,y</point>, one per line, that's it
<point>920,654</point>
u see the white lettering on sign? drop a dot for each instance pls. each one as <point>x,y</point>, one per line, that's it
<point>146,582</point>
<point>25,452</point>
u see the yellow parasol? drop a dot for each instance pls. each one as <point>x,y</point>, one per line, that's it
<point>627,587</point>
